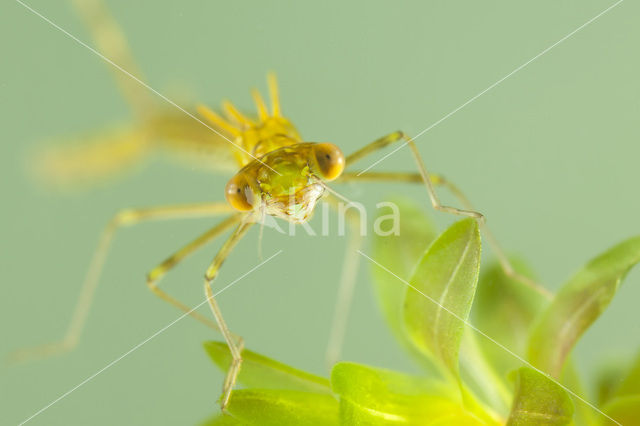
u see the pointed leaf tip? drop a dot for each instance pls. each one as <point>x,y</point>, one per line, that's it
<point>539,400</point>
<point>578,304</point>
<point>443,288</point>
<point>259,371</point>
<point>399,253</point>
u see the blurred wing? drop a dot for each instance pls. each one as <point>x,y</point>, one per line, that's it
<point>85,161</point>
<point>110,41</point>
<point>184,138</point>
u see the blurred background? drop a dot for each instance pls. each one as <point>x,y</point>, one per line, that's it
<point>550,155</point>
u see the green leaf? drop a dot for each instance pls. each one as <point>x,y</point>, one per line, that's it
<point>570,378</point>
<point>223,420</point>
<point>539,400</point>
<point>578,304</point>
<point>270,407</point>
<point>444,283</point>
<point>480,376</point>
<point>259,371</point>
<point>371,396</point>
<point>400,254</point>
<point>505,309</point>
<point>625,410</point>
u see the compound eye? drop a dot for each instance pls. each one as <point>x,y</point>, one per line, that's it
<point>239,194</point>
<point>330,160</point>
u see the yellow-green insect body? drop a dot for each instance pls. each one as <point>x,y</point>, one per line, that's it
<point>280,176</point>
<point>277,174</point>
<point>285,183</point>
<point>268,135</point>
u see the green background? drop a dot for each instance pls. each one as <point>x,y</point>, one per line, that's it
<point>550,155</point>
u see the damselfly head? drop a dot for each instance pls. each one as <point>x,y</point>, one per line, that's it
<point>286,182</point>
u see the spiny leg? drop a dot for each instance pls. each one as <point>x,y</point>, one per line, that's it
<point>430,179</point>
<point>163,268</point>
<point>347,284</point>
<point>234,343</point>
<point>396,137</point>
<point>505,264</point>
<point>122,218</point>
<point>407,177</point>
<point>92,157</point>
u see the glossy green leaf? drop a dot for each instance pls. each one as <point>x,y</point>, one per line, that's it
<point>571,378</point>
<point>271,407</point>
<point>538,401</point>
<point>480,376</point>
<point>505,309</point>
<point>578,304</point>
<point>625,410</point>
<point>443,286</point>
<point>259,371</point>
<point>400,254</point>
<point>371,396</point>
<point>223,420</point>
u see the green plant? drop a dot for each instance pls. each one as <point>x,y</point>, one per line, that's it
<point>511,366</point>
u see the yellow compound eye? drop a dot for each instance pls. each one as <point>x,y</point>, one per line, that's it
<point>329,159</point>
<point>239,194</point>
